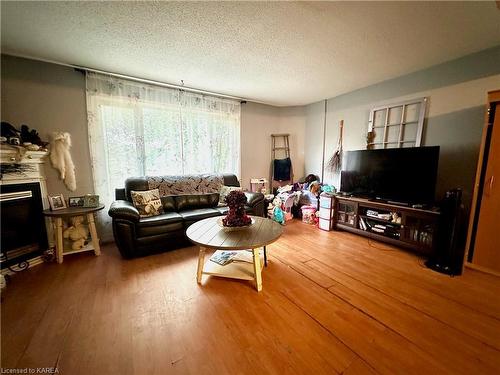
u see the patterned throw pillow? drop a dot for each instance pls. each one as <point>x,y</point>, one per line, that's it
<point>148,202</point>
<point>224,191</point>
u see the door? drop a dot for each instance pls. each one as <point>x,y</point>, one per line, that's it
<point>486,250</point>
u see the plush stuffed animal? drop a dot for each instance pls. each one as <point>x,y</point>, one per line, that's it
<point>77,232</point>
<point>315,187</point>
<point>329,189</point>
<point>61,158</point>
<point>278,214</point>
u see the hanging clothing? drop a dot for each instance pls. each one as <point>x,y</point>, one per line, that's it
<point>282,169</point>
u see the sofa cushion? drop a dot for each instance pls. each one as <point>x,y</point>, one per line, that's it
<point>199,214</point>
<point>189,202</point>
<point>166,218</point>
<point>148,202</point>
<point>156,225</point>
<point>168,203</point>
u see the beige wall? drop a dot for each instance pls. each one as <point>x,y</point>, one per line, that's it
<point>49,98</point>
<point>258,122</point>
<point>313,143</point>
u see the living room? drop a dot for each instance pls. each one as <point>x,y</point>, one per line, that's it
<point>250,187</point>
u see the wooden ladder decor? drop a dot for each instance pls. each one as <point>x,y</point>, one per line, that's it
<point>285,147</point>
<point>279,142</point>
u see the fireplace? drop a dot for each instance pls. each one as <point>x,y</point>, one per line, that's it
<point>22,224</point>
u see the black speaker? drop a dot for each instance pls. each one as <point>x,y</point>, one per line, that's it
<point>449,252</point>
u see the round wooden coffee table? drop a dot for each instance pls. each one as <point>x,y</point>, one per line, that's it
<point>208,234</point>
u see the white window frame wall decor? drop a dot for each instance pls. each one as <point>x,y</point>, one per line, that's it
<point>405,120</point>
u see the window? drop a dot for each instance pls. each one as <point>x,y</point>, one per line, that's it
<point>137,129</point>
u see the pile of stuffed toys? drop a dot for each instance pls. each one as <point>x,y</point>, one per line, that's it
<point>298,194</point>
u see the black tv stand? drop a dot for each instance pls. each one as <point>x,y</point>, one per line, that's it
<point>403,204</point>
<point>381,200</point>
<point>344,194</point>
<point>404,226</point>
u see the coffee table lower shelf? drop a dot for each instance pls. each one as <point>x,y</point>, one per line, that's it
<point>235,270</point>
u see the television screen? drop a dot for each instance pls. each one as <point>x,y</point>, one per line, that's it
<point>405,175</point>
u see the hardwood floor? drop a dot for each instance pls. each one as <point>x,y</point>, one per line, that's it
<point>332,302</point>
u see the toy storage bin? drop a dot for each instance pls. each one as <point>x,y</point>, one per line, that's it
<point>325,224</point>
<point>326,200</point>
<point>325,213</point>
<point>308,214</point>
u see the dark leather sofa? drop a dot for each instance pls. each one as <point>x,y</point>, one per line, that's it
<point>136,236</point>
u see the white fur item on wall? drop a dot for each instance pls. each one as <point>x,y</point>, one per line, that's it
<point>60,158</point>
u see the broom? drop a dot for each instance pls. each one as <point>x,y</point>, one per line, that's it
<point>335,161</point>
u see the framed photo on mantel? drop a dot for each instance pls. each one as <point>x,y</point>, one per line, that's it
<point>57,202</point>
<point>90,200</point>
<point>75,201</point>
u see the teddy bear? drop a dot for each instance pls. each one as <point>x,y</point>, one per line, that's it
<point>77,232</point>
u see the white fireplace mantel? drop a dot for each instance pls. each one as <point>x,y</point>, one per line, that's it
<point>34,160</point>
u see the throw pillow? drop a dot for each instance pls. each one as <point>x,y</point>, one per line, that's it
<point>148,202</point>
<point>224,191</point>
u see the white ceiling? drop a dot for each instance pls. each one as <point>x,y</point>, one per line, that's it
<point>279,53</point>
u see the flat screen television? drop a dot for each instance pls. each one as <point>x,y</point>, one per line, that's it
<point>399,175</point>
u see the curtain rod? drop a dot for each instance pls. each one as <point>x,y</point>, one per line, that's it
<point>124,76</point>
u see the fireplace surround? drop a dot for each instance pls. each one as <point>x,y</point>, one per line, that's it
<point>23,197</point>
<point>22,224</point>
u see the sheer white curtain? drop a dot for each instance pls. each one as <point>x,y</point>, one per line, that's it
<point>137,129</point>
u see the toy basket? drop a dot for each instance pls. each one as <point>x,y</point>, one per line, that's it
<point>308,214</point>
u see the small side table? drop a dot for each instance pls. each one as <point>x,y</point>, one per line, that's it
<point>56,217</point>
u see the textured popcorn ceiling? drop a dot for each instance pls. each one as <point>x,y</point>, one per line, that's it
<point>277,53</point>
